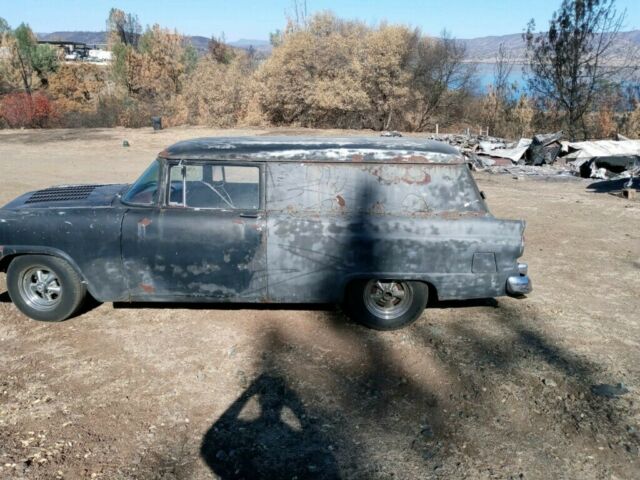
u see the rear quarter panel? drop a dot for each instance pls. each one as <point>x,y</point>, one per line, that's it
<point>328,224</point>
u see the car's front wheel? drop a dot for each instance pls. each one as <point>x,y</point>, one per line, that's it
<point>386,304</point>
<point>44,287</point>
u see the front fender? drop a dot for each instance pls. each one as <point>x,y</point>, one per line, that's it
<point>87,238</point>
<point>8,252</point>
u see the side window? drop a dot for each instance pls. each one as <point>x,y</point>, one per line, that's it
<point>215,186</point>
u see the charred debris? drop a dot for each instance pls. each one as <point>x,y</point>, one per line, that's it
<point>550,155</point>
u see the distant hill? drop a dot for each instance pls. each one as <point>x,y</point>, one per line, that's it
<point>200,43</point>
<point>485,49</point>
<point>479,50</point>
<point>90,38</point>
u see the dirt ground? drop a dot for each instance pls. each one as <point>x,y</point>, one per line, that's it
<point>500,388</point>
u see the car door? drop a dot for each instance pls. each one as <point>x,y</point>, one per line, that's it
<point>204,240</point>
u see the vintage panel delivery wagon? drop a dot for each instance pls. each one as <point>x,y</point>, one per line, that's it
<point>379,225</point>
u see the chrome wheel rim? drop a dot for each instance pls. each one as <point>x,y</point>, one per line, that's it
<point>388,299</point>
<point>40,288</point>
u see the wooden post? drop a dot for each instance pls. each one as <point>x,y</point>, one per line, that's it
<point>437,129</point>
<point>629,193</point>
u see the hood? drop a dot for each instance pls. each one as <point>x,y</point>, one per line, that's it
<point>68,196</point>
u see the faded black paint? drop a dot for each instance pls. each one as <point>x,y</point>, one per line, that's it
<point>198,253</point>
<point>372,208</point>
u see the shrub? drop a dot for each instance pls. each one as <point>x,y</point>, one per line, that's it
<point>217,94</point>
<point>77,86</point>
<point>633,127</point>
<point>23,110</point>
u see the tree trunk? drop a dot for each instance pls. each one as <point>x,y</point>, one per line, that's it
<point>388,122</point>
<point>24,73</point>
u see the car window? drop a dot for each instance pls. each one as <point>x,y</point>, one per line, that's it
<point>145,190</point>
<point>215,186</point>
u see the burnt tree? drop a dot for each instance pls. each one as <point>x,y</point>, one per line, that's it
<point>574,61</point>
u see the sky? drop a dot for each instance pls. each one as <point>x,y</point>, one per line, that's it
<point>245,19</point>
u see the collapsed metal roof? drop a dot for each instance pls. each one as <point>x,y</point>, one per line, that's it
<point>581,152</point>
<point>321,149</point>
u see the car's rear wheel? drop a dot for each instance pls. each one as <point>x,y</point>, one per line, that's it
<point>386,304</point>
<point>44,288</point>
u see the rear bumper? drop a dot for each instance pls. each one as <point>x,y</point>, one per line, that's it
<point>521,284</point>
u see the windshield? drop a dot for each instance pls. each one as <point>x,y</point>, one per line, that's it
<point>145,190</point>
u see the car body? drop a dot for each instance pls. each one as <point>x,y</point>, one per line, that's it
<point>276,220</point>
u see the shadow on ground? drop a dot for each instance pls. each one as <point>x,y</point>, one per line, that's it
<point>276,438</point>
<point>456,399</point>
<point>319,307</point>
<point>613,186</point>
<point>357,408</point>
<point>355,403</point>
<point>59,135</point>
<point>5,298</point>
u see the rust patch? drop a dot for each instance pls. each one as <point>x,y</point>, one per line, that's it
<point>422,181</point>
<point>410,159</point>
<point>164,153</point>
<point>406,177</point>
<point>341,201</point>
<point>238,221</point>
<point>147,288</point>
<point>142,227</point>
<point>358,157</point>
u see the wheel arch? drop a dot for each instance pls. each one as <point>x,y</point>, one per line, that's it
<point>431,285</point>
<point>10,253</point>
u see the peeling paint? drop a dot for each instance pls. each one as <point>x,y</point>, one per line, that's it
<point>408,175</point>
<point>203,268</point>
<point>308,149</point>
<point>333,209</point>
<point>142,228</point>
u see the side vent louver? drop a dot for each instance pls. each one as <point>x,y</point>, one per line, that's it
<point>60,194</point>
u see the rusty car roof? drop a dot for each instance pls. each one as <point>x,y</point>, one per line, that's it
<point>318,149</point>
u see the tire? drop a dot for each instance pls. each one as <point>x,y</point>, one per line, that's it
<point>386,304</point>
<point>45,288</point>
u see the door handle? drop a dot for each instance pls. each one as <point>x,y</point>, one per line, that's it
<point>249,215</point>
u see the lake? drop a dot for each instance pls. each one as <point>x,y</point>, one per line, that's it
<point>485,77</point>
